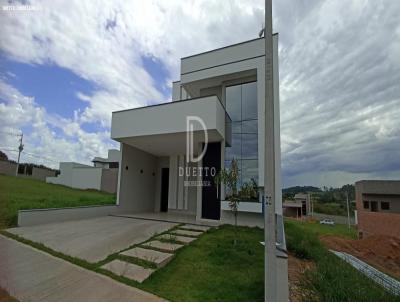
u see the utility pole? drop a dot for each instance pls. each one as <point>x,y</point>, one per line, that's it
<point>20,148</point>
<point>348,209</point>
<point>270,269</point>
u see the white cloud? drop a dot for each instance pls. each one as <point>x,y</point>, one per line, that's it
<point>42,139</point>
<point>339,69</point>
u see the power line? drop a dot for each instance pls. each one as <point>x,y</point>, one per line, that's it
<point>29,154</point>
<point>11,133</point>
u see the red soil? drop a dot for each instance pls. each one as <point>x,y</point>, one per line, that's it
<point>382,252</point>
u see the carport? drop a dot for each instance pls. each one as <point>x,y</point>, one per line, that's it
<point>93,239</point>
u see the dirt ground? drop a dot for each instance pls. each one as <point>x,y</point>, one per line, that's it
<point>296,268</point>
<point>5,297</point>
<point>382,252</point>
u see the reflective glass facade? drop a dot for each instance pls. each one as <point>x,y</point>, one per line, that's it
<point>241,105</point>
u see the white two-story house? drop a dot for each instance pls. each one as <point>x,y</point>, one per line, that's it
<point>224,89</point>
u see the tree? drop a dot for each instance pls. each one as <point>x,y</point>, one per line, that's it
<point>3,156</point>
<point>230,177</point>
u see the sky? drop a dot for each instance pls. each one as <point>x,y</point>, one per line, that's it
<point>66,65</point>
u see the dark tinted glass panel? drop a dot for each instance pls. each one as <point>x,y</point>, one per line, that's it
<point>237,127</point>
<point>249,101</point>
<point>239,163</point>
<point>233,102</point>
<point>249,170</point>
<point>385,205</point>
<point>235,150</point>
<point>249,146</point>
<point>250,126</point>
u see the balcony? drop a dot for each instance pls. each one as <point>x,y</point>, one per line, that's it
<point>161,129</point>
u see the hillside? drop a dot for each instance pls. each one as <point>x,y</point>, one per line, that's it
<point>20,193</point>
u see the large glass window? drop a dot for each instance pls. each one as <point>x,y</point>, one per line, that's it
<point>241,105</point>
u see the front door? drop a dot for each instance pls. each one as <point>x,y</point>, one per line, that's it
<point>211,203</point>
<point>164,189</point>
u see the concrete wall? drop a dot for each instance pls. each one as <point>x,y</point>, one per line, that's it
<point>376,223</point>
<point>244,218</point>
<point>41,174</point>
<point>43,216</point>
<point>168,118</point>
<point>223,56</point>
<point>9,168</point>
<point>78,176</point>
<point>137,181</point>
<point>86,178</point>
<point>109,180</point>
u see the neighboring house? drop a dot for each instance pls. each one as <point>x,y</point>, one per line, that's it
<point>292,208</point>
<point>378,207</point>
<point>26,170</point>
<point>102,176</point>
<point>225,88</point>
<point>305,200</point>
<point>111,162</point>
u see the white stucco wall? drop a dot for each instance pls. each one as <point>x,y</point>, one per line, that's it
<point>137,183</point>
<point>168,118</point>
<point>78,176</point>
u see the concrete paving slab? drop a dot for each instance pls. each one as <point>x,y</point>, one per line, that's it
<point>202,228</point>
<point>93,239</point>
<point>182,239</point>
<point>31,275</point>
<point>158,258</point>
<point>165,246</point>
<point>128,270</point>
<point>186,233</point>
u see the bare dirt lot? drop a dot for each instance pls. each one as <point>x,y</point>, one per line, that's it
<point>296,268</point>
<point>382,252</point>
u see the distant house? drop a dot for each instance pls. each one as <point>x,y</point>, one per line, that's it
<point>26,170</point>
<point>103,175</point>
<point>378,207</point>
<point>292,208</point>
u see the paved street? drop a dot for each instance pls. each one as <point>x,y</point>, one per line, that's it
<point>31,275</point>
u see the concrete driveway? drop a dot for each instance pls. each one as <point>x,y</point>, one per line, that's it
<point>93,239</point>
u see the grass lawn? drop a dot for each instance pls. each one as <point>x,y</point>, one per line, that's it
<point>332,279</point>
<point>212,269</point>
<point>322,229</point>
<point>21,193</point>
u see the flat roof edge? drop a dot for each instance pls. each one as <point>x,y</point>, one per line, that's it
<point>227,46</point>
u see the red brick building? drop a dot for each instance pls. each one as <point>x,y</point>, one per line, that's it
<point>378,207</point>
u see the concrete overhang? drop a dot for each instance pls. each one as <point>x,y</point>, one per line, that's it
<point>161,129</point>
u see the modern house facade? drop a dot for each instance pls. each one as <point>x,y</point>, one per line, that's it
<point>378,207</point>
<point>218,110</point>
<point>103,175</point>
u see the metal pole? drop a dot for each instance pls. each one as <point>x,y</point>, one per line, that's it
<point>20,148</point>
<point>348,209</point>
<point>269,164</point>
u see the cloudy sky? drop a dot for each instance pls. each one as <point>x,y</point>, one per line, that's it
<point>66,65</point>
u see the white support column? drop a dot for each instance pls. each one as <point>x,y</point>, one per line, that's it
<point>269,170</point>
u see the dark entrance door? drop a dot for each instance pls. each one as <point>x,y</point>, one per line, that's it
<point>164,189</point>
<point>211,203</point>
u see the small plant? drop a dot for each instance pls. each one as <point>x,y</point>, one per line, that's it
<point>230,178</point>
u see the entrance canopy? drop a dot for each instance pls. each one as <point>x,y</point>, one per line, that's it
<point>161,129</point>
